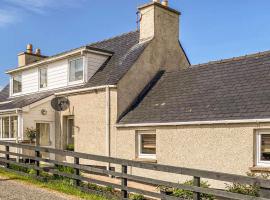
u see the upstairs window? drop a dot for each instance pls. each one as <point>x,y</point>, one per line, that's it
<point>263,147</point>
<point>43,78</point>
<point>76,70</point>
<point>17,84</point>
<point>147,144</point>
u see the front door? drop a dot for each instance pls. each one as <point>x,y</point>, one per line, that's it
<point>43,134</point>
<point>70,131</point>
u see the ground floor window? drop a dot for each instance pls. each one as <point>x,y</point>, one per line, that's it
<point>8,127</point>
<point>43,131</point>
<point>263,147</point>
<point>146,144</point>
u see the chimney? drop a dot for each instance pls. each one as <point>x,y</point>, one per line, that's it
<point>28,57</point>
<point>159,20</point>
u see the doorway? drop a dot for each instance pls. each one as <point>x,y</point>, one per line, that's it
<point>43,134</point>
<point>70,132</point>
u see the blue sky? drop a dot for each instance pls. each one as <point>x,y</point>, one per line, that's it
<point>210,29</point>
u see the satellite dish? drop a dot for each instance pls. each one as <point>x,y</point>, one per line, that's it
<point>60,103</point>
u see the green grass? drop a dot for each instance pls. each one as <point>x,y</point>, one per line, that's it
<point>56,185</point>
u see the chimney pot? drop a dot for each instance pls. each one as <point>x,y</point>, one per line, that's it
<point>38,52</point>
<point>29,48</point>
<point>156,1</point>
<point>165,3</point>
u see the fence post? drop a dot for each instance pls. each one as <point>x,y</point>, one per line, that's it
<point>7,156</point>
<point>77,171</point>
<point>264,192</point>
<point>124,193</point>
<point>197,183</point>
<point>37,154</point>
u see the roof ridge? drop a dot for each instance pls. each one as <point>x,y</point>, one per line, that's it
<point>261,53</point>
<point>112,38</point>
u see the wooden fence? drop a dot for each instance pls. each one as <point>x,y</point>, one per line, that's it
<point>124,176</point>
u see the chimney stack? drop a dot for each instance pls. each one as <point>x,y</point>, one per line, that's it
<point>159,21</point>
<point>28,57</point>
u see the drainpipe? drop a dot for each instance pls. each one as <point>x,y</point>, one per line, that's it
<point>107,134</point>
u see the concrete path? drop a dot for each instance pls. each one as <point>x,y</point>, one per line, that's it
<point>16,190</point>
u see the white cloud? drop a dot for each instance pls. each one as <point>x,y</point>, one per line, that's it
<point>8,16</point>
<point>13,10</point>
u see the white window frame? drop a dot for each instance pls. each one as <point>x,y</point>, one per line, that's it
<point>12,89</point>
<point>1,127</point>
<point>140,133</point>
<point>259,133</point>
<point>68,75</point>
<point>39,69</point>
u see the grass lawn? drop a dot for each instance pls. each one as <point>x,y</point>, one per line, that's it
<point>56,185</point>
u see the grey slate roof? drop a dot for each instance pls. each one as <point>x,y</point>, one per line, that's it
<point>126,50</point>
<point>231,89</point>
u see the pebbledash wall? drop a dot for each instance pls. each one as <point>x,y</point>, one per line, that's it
<point>89,111</point>
<point>228,148</point>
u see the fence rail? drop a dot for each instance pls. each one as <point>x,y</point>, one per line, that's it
<point>125,177</point>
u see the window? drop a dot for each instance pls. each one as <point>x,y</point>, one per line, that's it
<point>263,147</point>
<point>9,127</point>
<point>76,70</point>
<point>147,144</point>
<point>43,78</point>
<point>17,84</point>
<point>43,131</point>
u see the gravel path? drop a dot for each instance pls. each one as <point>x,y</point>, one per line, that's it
<point>15,190</point>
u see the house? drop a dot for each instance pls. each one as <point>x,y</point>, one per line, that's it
<point>136,96</point>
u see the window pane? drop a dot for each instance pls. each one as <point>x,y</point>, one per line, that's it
<point>17,84</point>
<point>76,70</point>
<point>5,127</point>
<point>43,131</point>
<point>43,78</point>
<point>265,147</point>
<point>148,142</point>
<point>14,127</point>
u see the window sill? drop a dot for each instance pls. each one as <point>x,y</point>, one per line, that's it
<point>260,169</point>
<point>147,160</point>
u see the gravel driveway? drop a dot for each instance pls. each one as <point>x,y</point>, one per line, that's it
<point>15,190</point>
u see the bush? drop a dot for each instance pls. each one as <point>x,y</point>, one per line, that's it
<point>19,168</point>
<point>136,197</point>
<point>252,190</point>
<point>243,189</point>
<point>70,147</point>
<point>185,194</point>
<point>31,133</point>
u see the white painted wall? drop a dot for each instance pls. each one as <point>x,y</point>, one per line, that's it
<point>58,74</point>
<point>30,81</point>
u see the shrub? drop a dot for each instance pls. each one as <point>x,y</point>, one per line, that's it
<point>185,194</point>
<point>31,133</point>
<point>70,147</point>
<point>19,168</point>
<point>136,197</point>
<point>243,189</point>
<point>252,190</point>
